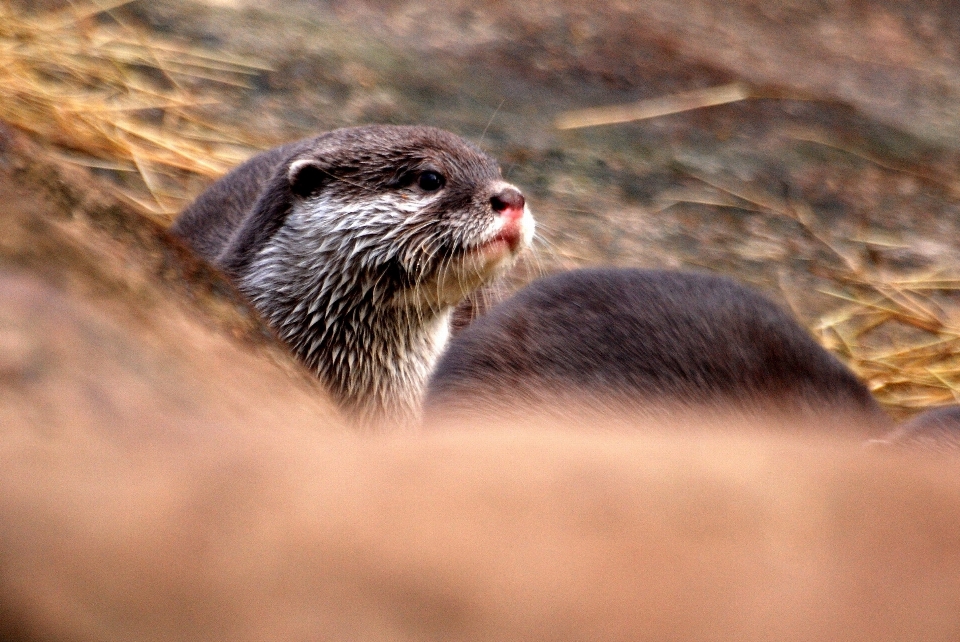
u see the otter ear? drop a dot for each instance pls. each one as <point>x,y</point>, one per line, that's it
<point>307,176</point>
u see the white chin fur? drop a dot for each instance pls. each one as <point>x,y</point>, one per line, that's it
<point>528,228</point>
<point>473,269</point>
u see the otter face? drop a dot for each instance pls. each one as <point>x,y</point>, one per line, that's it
<point>419,212</point>
<point>361,242</point>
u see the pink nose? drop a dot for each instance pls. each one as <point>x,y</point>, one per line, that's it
<point>508,203</point>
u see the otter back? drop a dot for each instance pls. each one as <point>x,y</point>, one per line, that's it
<point>646,340</point>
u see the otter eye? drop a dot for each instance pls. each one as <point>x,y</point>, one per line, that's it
<point>430,181</point>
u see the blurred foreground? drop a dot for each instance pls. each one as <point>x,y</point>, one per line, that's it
<point>287,534</point>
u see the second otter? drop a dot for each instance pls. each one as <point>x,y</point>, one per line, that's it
<point>647,343</point>
<point>355,246</point>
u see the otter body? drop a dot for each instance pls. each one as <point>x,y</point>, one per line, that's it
<point>649,342</point>
<point>355,246</point>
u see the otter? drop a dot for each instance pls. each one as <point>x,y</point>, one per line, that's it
<point>648,342</point>
<point>356,245</point>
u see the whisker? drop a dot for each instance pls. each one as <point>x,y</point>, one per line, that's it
<point>490,122</point>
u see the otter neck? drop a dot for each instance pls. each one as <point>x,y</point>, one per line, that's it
<point>373,351</point>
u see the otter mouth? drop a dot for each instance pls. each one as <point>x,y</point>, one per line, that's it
<point>470,265</point>
<point>508,240</point>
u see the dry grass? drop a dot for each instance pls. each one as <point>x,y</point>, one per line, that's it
<point>655,107</point>
<point>104,94</point>
<point>900,332</point>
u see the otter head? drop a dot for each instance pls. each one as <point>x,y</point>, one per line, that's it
<point>420,209</point>
<point>383,230</point>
